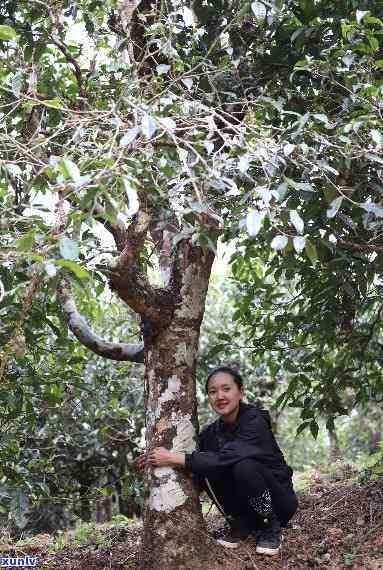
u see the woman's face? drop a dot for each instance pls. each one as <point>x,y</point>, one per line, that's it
<point>224,395</point>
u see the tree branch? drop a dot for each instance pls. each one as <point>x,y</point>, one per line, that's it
<point>77,70</point>
<point>162,232</point>
<point>82,331</point>
<point>366,247</point>
<point>118,230</point>
<point>132,285</point>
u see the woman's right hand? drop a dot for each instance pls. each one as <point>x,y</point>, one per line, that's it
<point>141,460</point>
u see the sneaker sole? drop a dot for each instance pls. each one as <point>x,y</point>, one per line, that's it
<point>228,544</point>
<point>268,551</point>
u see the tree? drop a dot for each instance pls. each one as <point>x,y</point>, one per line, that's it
<point>169,127</point>
<point>57,96</point>
<point>310,277</point>
<point>71,422</point>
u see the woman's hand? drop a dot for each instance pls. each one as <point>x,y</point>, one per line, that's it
<point>142,460</point>
<point>160,457</point>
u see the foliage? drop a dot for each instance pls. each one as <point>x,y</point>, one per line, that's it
<point>261,122</point>
<point>310,272</point>
<point>68,433</point>
<point>231,349</point>
<point>373,465</point>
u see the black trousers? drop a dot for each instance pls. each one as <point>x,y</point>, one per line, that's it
<point>243,491</point>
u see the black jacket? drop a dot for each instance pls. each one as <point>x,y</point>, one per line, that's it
<point>223,445</point>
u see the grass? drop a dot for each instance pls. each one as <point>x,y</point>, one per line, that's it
<point>338,471</point>
<point>86,532</point>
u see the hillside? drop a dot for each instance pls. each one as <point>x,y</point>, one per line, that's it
<point>339,525</point>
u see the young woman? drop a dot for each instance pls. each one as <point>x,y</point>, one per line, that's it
<point>240,466</point>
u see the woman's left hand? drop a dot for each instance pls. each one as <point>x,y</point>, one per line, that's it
<point>161,457</point>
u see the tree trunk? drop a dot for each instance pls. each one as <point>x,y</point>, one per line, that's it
<point>174,535</point>
<point>85,509</point>
<point>335,452</point>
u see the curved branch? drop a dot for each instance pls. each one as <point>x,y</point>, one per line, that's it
<point>117,230</point>
<point>132,285</point>
<point>76,68</point>
<point>82,331</point>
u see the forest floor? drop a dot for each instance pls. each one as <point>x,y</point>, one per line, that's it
<point>339,524</point>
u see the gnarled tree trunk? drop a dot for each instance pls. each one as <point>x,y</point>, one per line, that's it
<point>174,535</point>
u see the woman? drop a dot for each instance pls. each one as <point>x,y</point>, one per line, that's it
<point>240,466</point>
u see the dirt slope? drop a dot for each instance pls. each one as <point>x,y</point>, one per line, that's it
<point>337,526</point>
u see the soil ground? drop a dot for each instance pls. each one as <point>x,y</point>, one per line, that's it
<point>338,525</point>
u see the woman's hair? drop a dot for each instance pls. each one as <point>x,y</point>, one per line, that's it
<point>233,373</point>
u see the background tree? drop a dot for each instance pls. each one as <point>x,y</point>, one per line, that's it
<point>71,423</point>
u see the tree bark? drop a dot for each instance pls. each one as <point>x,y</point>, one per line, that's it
<point>82,331</point>
<point>174,535</point>
<point>335,452</point>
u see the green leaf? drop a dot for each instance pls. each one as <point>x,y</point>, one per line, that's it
<point>330,193</point>
<point>69,248</point>
<point>52,103</point>
<point>374,43</point>
<point>379,64</point>
<point>377,137</point>
<point>334,207</point>
<point>216,350</point>
<point>372,20</point>
<point>69,169</point>
<point>279,242</point>
<point>314,428</point>
<point>302,63</point>
<point>374,158</point>
<point>373,208</point>
<point>26,242</point>
<point>302,426</point>
<point>7,33</point>
<point>280,399</point>
<point>278,4</point>
<point>129,136</point>
<point>373,459</point>
<point>311,251</point>
<point>307,414</point>
<point>74,267</point>
<point>19,508</point>
<point>300,186</point>
<point>348,559</point>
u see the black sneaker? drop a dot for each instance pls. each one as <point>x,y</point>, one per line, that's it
<point>233,537</point>
<point>269,539</point>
